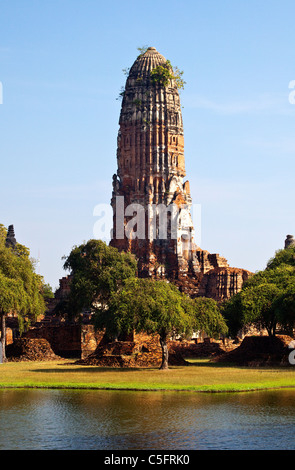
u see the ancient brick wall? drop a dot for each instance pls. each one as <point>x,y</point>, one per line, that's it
<point>65,340</point>
<point>90,340</point>
<point>221,283</point>
<point>68,340</point>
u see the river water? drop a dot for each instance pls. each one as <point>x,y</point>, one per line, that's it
<point>97,420</point>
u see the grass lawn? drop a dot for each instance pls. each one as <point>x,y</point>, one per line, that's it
<point>200,376</point>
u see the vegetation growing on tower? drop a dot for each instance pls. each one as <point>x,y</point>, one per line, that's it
<point>162,74</point>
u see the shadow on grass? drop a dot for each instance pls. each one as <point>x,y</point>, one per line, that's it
<point>99,369</point>
<point>195,362</point>
<point>206,362</point>
<point>191,363</point>
<point>92,369</point>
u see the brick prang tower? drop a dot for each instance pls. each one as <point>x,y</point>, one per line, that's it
<point>151,169</point>
<point>151,172</point>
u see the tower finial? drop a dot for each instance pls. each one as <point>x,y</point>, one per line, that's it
<point>290,241</point>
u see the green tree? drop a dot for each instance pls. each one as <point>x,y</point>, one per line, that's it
<point>208,318</point>
<point>3,233</point>
<point>97,270</point>
<point>11,300</point>
<point>234,314</point>
<point>255,305</point>
<point>285,308</point>
<point>20,288</point>
<point>47,291</point>
<point>286,256</point>
<point>150,306</point>
<point>261,300</point>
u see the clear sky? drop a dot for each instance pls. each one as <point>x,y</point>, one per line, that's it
<point>61,67</point>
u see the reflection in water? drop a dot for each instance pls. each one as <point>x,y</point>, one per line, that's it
<point>55,419</point>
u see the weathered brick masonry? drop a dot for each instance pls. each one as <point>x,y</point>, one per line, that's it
<point>151,171</point>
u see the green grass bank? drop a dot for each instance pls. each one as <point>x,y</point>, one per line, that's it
<point>199,376</point>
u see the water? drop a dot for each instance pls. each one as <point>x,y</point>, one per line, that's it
<point>97,420</point>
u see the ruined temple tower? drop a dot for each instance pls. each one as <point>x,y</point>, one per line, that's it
<point>10,241</point>
<point>151,200</point>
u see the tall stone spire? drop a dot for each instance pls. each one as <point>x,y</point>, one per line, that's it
<point>151,169</point>
<point>151,201</point>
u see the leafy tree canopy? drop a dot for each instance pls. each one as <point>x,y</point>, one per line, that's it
<point>147,305</point>
<point>12,294</point>
<point>96,270</point>
<point>20,287</point>
<point>285,308</point>
<point>156,306</point>
<point>263,298</point>
<point>3,233</point>
<point>286,256</point>
<point>208,317</point>
<point>47,291</point>
<point>17,271</point>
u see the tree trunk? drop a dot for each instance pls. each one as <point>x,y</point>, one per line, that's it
<point>165,354</point>
<point>271,328</point>
<point>3,336</point>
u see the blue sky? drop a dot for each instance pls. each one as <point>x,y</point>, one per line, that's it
<point>61,67</point>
